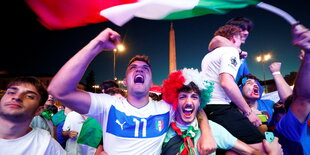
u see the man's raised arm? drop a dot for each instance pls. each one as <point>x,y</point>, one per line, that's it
<point>284,90</point>
<point>64,84</point>
<point>301,93</point>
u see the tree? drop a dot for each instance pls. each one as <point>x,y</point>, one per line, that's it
<point>90,81</point>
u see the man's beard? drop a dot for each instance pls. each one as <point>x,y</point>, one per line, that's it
<point>16,117</point>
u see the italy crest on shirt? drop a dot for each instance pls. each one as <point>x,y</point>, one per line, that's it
<point>159,125</point>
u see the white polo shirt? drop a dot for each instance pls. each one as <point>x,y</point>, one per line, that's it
<point>220,60</point>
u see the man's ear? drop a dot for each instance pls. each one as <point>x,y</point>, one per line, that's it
<point>125,82</point>
<point>233,39</point>
<point>39,110</point>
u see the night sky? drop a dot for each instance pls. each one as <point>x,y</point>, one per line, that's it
<point>28,48</point>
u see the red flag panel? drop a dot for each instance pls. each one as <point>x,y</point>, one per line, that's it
<point>65,14</point>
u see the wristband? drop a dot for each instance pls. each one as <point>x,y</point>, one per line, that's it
<point>275,73</point>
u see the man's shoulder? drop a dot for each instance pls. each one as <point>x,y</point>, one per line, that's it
<point>44,136</point>
<point>41,132</point>
<point>54,148</point>
<point>160,106</point>
<point>34,142</point>
<point>106,98</point>
<point>161,103</point>
<point>226,49</point>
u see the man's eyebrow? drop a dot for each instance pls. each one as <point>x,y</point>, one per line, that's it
<point>27,91</point>
<point>146,66</point>
<point>13,88</point>
<point>32,92</point>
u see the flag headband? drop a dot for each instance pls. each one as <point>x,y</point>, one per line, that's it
<point>178,79</point>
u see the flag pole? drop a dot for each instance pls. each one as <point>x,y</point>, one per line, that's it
<point>290,19</point>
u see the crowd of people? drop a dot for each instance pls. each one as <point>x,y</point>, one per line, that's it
<point>216,110</point>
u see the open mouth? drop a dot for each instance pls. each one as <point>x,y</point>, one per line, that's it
<point>188,110</point>
<point>256,90</point>
<point>50,100</point>
<point>139,79</point>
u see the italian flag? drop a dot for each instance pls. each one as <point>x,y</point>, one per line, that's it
<point>171,9</point>
<point>64,14</point>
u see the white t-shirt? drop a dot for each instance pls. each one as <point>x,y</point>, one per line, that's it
<point>130,130</point>
<point>220,60</point>
<point>36,142</point>
<point>74,122</point>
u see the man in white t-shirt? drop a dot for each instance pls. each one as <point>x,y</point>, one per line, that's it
<point>132,125</point>
<point>23,99</point>
<point>221,66</point>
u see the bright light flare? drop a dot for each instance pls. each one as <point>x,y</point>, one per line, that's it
<point>263,58</point>
<point>95,86</point>
<point>259,59</point>
<point>120,47</point>
<point>267,57</point>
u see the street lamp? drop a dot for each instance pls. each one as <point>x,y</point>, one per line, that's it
<point>264,58</point>
<point>119,48</point>
<point>95,87</point>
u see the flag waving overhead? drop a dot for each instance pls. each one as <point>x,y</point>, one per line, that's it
<point>64,14</point>
<point>171,9</point>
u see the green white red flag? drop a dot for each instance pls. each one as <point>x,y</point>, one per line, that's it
<point>64,14</point>
<point>171,9</point>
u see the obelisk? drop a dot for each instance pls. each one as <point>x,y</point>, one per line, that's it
<point>172,51</point>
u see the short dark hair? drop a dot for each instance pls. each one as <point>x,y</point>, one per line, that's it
<point>248,76</point>
<point>242,22</point>
<point>140,58</point>
<point>105,85</point>
<point>114,90</point>
<point>244,78</point>
<point>190,87</point>
<point>155,96</point>
<point>52,108</point>
<point>38,84</point>
<point>228,31</point>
